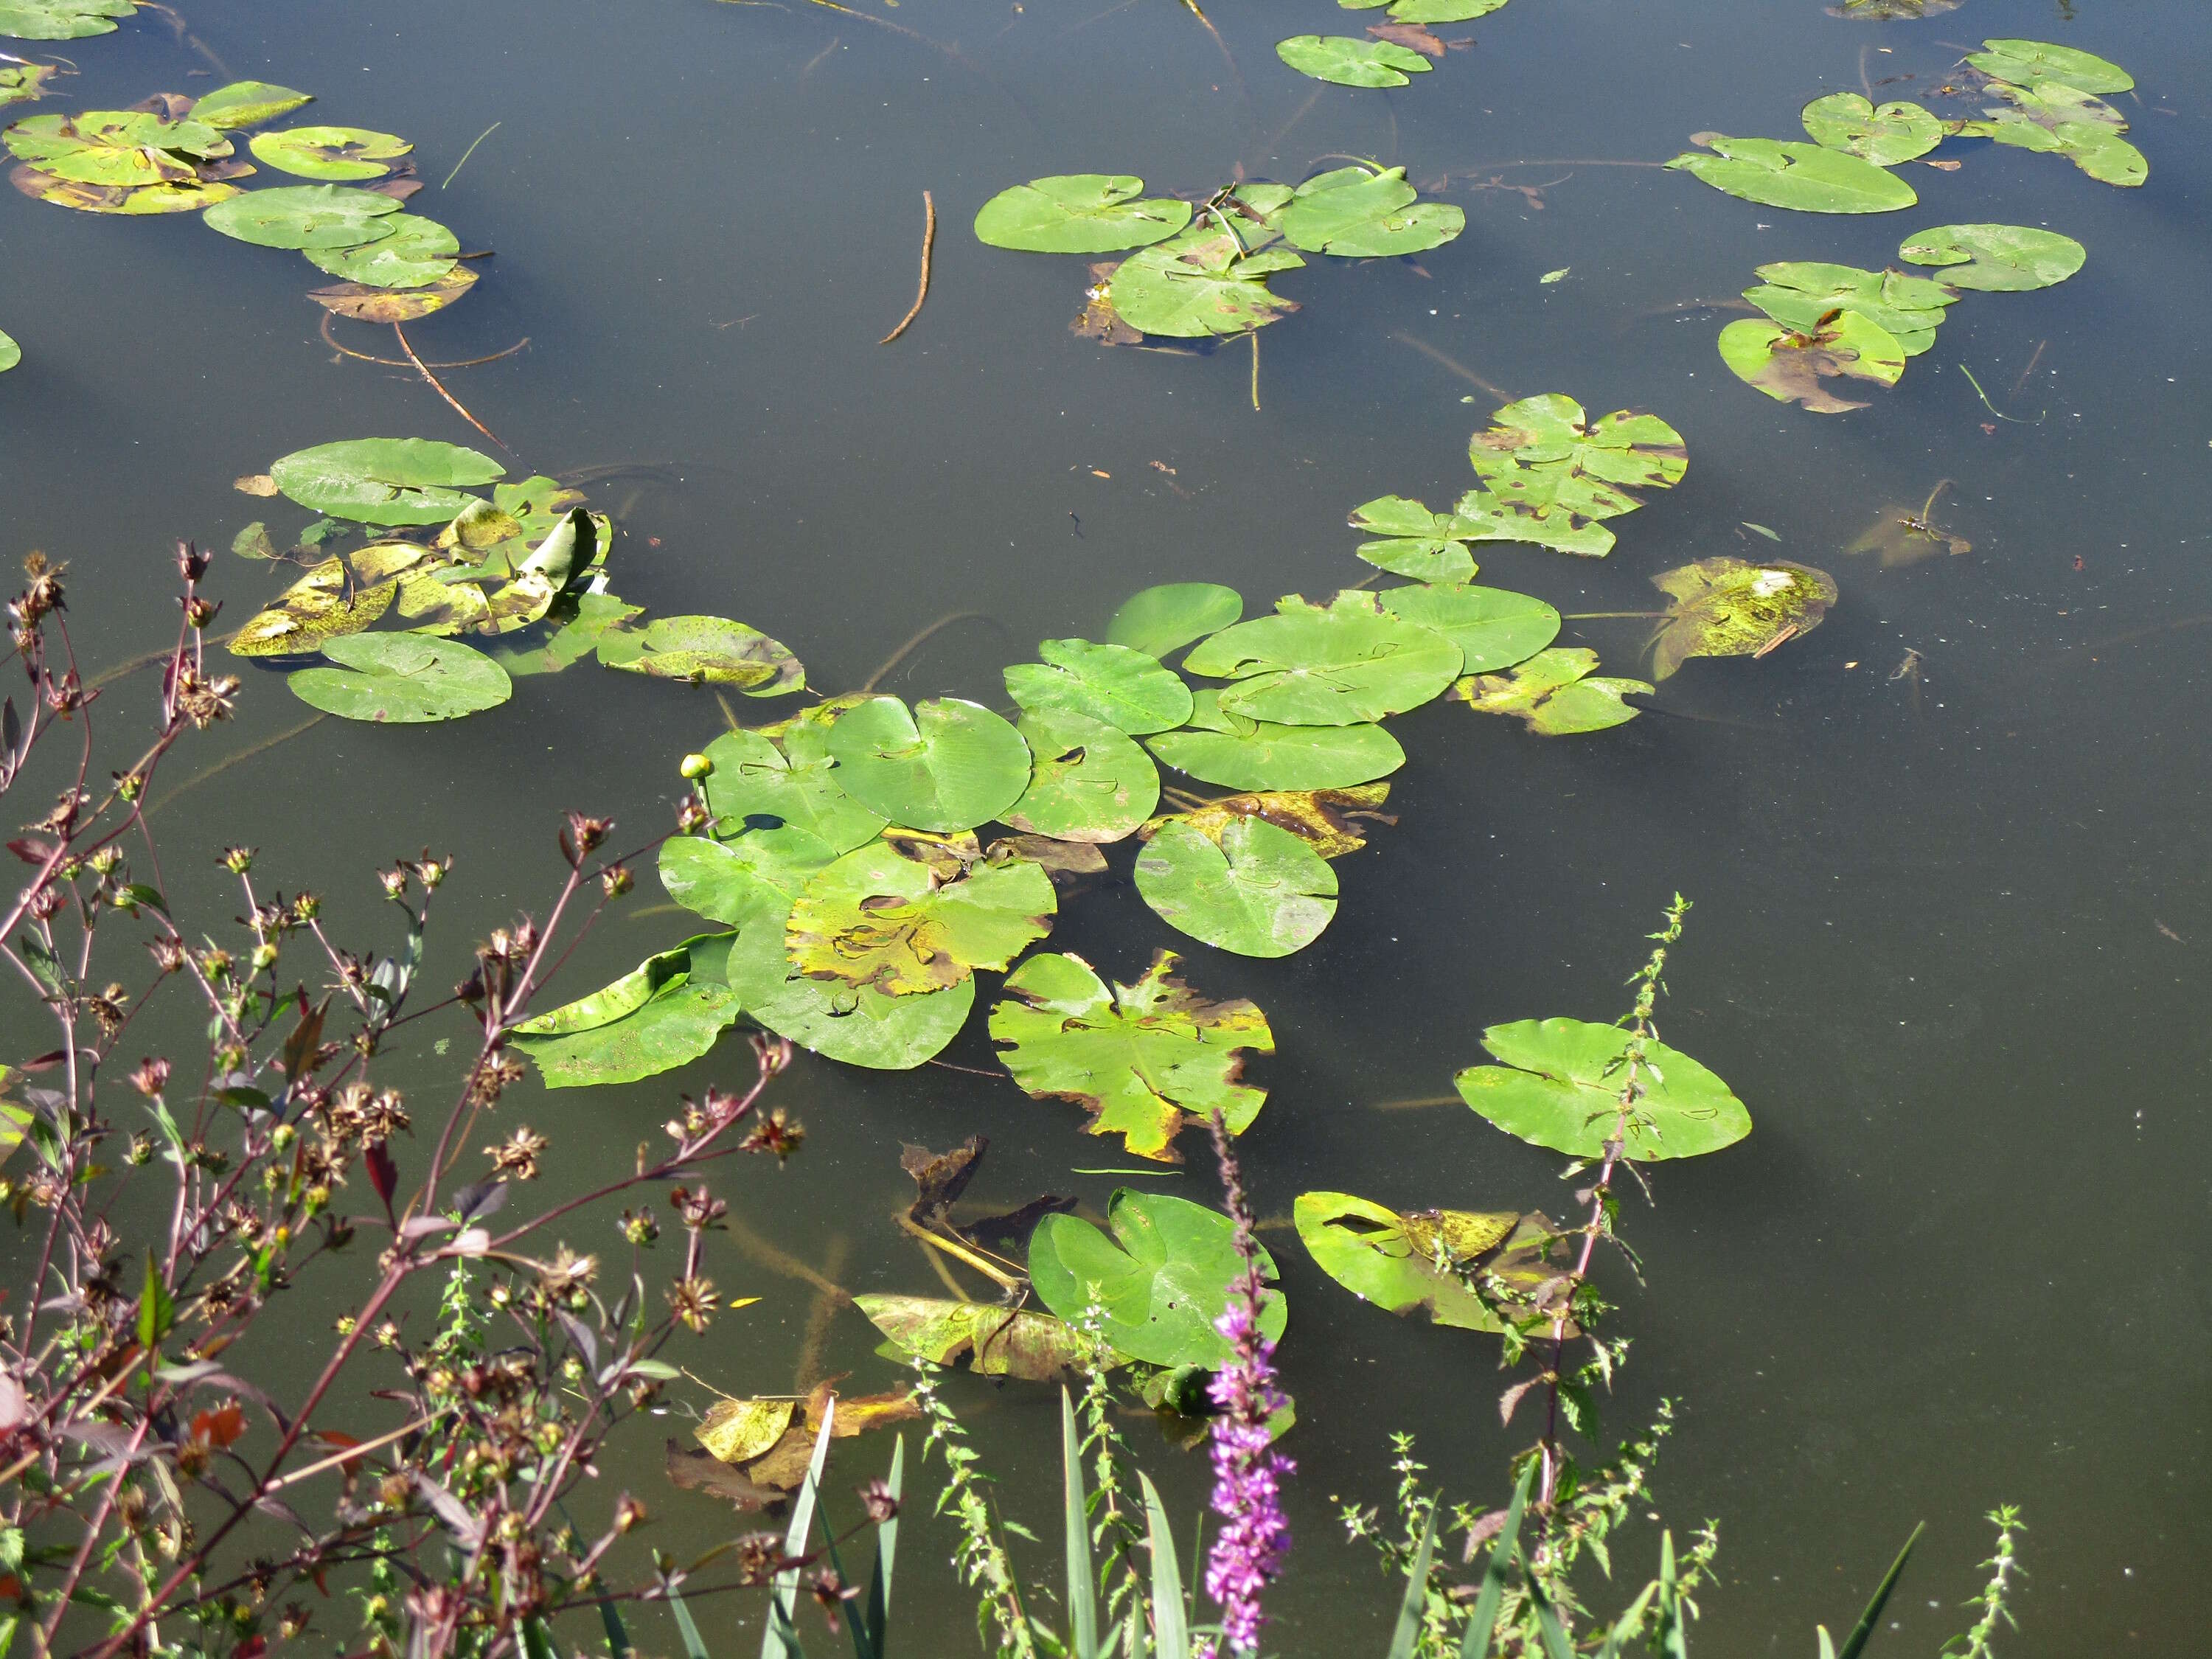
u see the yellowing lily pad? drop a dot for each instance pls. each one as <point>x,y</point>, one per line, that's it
<point>1730,607</point>
<point>880,919</point>
<point>1554,692</point>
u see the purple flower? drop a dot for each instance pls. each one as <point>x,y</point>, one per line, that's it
<point>1247,1472</point>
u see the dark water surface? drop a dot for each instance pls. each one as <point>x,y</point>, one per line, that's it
<point>1952,936</point>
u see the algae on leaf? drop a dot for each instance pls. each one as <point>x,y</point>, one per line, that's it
<point>338,596</point>
<point>1559,1084</point>
<point>1790,367</point>
<point>1258,891</point>
<point>1554,693</point>
<point>403,678</point>
<point>1730,607</point>
<point>1349,61</point>
<point>246,104</point>
<point>1808,178</point>
<point>709,650</point>
<point>1080,213</point>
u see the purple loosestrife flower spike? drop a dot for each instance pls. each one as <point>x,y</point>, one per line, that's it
<point>1247,1472</point>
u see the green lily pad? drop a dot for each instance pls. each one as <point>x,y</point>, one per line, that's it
<point>1161,1281</point>
<point>10,353</point>
<point>574,626</point>
<point>1419,544</point>
<point>665,1012</point>
<point>1354,213</point>
<point>403,679</point>
<point>304,217</point>
<point>756,787</point>
<point>1259,891</point>
<point>946,765</point>
<point>1428,11</point>
<point>1147,1060</point>
<point>1886,136</point>
<point>122,148</point>
<point>1560,1085</point>
<point>61,20</point>
<point>1089,781</point>
<point>1416,1263</point>
<point>1160,620</point>
<point>1799,294</point>
<point>855,1026</point>
<point>1554,692</point>
<point>416,253</point>
<point>1080,213</point>
<point>705,650</point>
<point>2025,63</point>
<point>2052,118</point>
<point>1996,259</point>
<point>23,82</point>
<point>1730,607</point>
<point>1347,663</point>
<point>1123,687</point>
<point>751,878</point>
<point>878,919</point>
<point>247,104</point>
<point>1789,367</point>
<point>1201,284</point>
<point>991,1340</point>
<point>1545,453</point>
<point>1349,62</point>
<point>388,481</point>
<point>1237,753</point>
<point>1492,627</point>
<point>330,152</point>
<point>1808,178</point>
<point>336,596</point>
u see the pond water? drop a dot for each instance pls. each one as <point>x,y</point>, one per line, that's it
<point>1952,927</point>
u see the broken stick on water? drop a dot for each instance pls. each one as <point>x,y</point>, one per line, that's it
<point>928,241</point>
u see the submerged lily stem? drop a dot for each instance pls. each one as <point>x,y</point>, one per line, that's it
<point>918,642</point>
<point>1602,616</point>
<point>439,386</point>
<point>820,1313</point>
<point>225,765</point>
<point>2029,370</point>
<point>331,340</point>
<point>928,242</point>
<point>1453,364</point>
<point>1986,404</point>
<point>470,151</point>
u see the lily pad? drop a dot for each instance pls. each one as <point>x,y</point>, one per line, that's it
<point>10,353</point>
<point>187,196</point>
<point>1089,781</point>
<point>1891,11</point>
<point>305,217</point>
<point>574,626</point>
<point>878,919</point>
<point>388,481</point>
<point>1161,1281</point>
<point>1808,178</point>
<point>1349,62</point>
<point>1160,620</point>
<point>1798,294</point>
<point>1560,1083</point>
<point>2051,118</point>
<point>1327,820</point>
<point>705,650</point>
<point>1259,891</point>
<point>1347,663</point>
<point>947,764</point>
<point>330,152</point>
<point>1355,213</point>
<point>1789,367</point>
<point>1147,1060</point>
<point>1996,259</point>
<point>123,148</point>
<point>1123,687</point>
<point>2025,63</point>
<point>1886,136</point>
<point>1524,508</point>
<point>61,20</point>
<point>1730,607</point>
<point>1428,11</point>
<point>403,679</point>
<point>1492,627</point>
<point>1080,213</point>
<point>1237,753</point>
<point>854,1026</point>
<point>1546,452</point>
<point>22,82</point>
<point>338,596</point>
<point>992,1341</point>
<point>416,253</point>
<point>370,304</point>
<point>1416,1263</point>
<point>1419,544</point>
<point>668,1011</point>
<point>1201,284</point>
<point>756,786</point>
<point>1554,692</point>
<point>247,104</point>
<point>754,876</point>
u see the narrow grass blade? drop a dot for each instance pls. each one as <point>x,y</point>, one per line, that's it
<point>1855,1643</point>
<point>878,1615</point>
<point>1674,1638</point>
<point>1171,1629</point>
<point>1483,1622</point>
<point>694,1645</point>
<point>1549,1630</point>
<point>1827,1644</point>
<point>1417,1593</point>
<point>1082,1590</point>
<point>1626,1627</point>
<point>780,1640</point>
<point>619,1646</point>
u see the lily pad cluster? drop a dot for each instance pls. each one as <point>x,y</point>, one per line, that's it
<point>172,154</point>
<point>1392,51</point>
<point>1200,270</point>
<point>484,587</point>
<point>1827,323</point>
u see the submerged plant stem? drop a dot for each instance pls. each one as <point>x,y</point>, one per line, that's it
<point>928,241</point>
<point>1256,371</point>
<point>918,642</point>
<point>439,386</point>
<point>1453,364</point>
<point>470,151</point>
<point>820,1313</point>
<point>1987,405</point>
<point>331,340</point>
<point>227,762</point>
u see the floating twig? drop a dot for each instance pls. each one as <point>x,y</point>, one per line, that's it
<point>928,241</point>
<point>1453,364</point>
<point>470,151</point>
<point>331,340</point>
<point>439,386</point>
<point>1256,371</point>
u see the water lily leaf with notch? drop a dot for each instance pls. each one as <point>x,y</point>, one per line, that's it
<point>1789,367</point>
<point>1524,508</point>
<point>402,679</point>
<point>574,626</point>
<point>330,152</point>
<point>857,1026</point>
<point>1348,61</point>
<point>1799,294</point>
<point>1160,620</point>
<point>304,217</point>
<point>247,104</point>
<point>1355,214</point>
<point>1162,1280</point>
<point>755,877</point>
<point>1391,1257</point>
<point>339,596</point>
<point>2025,63</point>
<point>1078,213</point>
<point>667,1011</point>
<point>1124,687</point>
<point>1996,259</point>
<point>756,785</point>
<point>1237,753</point>
<point>1258,891</point>
<point>1200,284</point>
<point>1730,607</point>
<point>708,650</point>
<point>1783,174</point>
<point>389,481</point>
<point>122,148</point>
<point>416,253</point>
<point>1886,136</point>
<point>1147,1060</point>
<point>1554,692</point>
<point>1347,663</point>
<point>1493,627</point>
<point>367,303</point>
<point>1327,820</point>
<point>1089,781</point>
<point>189,196</point>
<point>61,20</point>
<point>1419,544</point>
<point>946,765</point>
<point>875,918</point>
<point>992,1341</point>
<point>1588,466</point>
<point>1560,1083</point>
